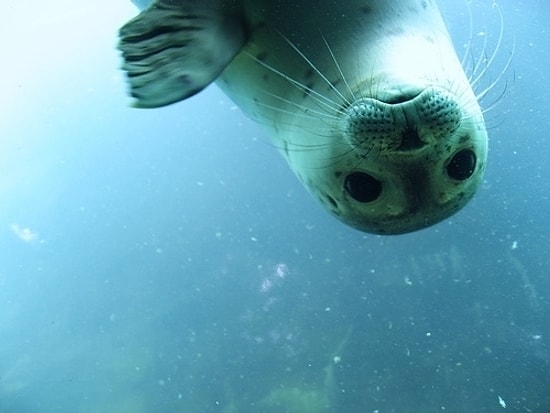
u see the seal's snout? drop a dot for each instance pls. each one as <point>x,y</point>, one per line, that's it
<point>407,123</point>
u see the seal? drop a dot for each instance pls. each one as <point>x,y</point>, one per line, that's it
<point>366,99</point>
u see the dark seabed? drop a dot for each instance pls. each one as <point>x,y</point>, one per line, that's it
<point>169,261</point>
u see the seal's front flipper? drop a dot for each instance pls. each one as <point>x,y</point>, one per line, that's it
<point>175,48</point>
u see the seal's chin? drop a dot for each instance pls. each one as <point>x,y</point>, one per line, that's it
<point>394,219</point>
<point>409,198</point>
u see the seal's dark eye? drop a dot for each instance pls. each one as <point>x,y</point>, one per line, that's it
<point>362,187</point>
<point>462,165</point>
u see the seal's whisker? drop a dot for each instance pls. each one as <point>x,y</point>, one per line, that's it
<point>294,147</point>
<point>468,50</point>
<point>463,92</point>
<point>332,161</point>
<point>304,109</point>
<point>498,99</point>
<point>292,126</point>
<point>316,69</point>
<point>302,147</point>
<point>361,157</point>
<point>485,61</point>
<point>344,79</point>
<point>483,93</point>
<point>288,146</point>
<point>306,113</point>
<point>479,61</point>
<point>319,97</point>
<point>493,55</point>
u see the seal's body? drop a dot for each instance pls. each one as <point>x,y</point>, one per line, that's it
<point>366,100</point>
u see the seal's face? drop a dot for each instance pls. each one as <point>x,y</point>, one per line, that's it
<point>370,106</point>
<point>410,163</point>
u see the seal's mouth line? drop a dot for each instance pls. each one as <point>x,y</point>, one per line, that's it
<point>399,97</point>
<point>403,94</point>
<point>391,94</point>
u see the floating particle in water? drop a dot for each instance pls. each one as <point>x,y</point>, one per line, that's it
<point>281,270</point>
